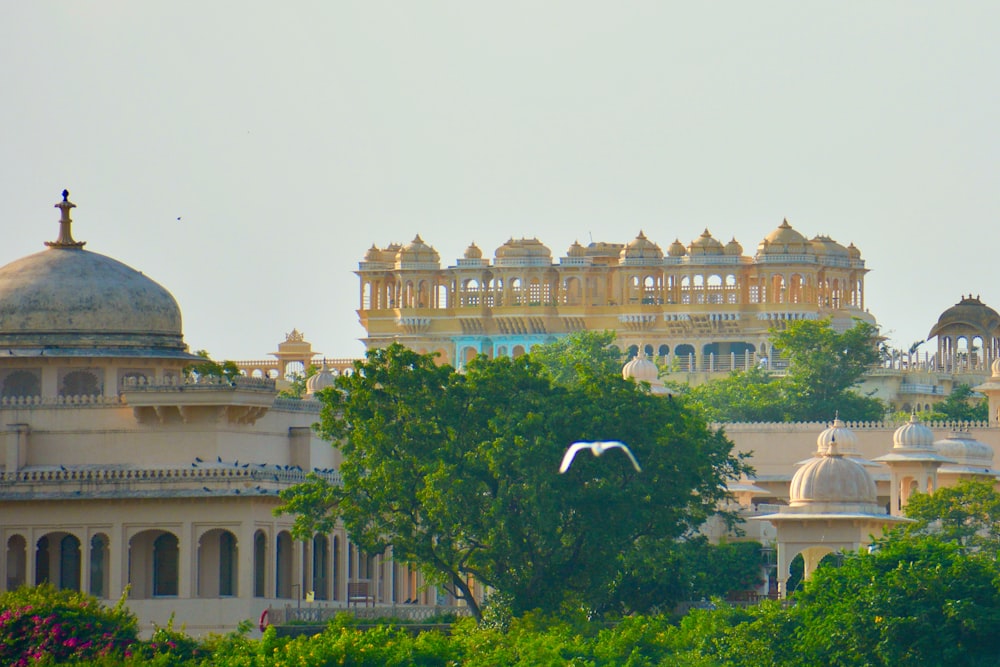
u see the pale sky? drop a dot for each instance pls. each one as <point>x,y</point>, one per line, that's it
<point>289,137</point>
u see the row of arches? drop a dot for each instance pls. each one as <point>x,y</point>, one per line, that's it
<point>717,356</point>
<point>153,563</point>
<point>597,287</point>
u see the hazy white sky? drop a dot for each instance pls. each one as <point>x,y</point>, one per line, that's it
<point>289,137</point>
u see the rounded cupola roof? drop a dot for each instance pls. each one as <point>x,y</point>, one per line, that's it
<point>677,249</point>
<point>832,479</point>
<point>576,250</point>
<point>785,240</point>
<point>641,248</point>
<point>913,435</point>
<point>473,252</point>
<point>706,244</point>
<point>523,248</point>
<point>320,380</point>
<point>970,315</point>
<point>417,252</point>
<point>641,369</point>
<point>970,455</point>
<point>824,245</point>
<point>67,301</point>
<point>840,434</point>
<point>733,248</point>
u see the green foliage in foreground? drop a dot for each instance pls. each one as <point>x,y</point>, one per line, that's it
<point>44,624</point>
<point>914,600</point>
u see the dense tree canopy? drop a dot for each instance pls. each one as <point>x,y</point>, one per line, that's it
<point>824,367</point>
<point>967,514</point>
<point>457,472</point>
<point>962,405</point>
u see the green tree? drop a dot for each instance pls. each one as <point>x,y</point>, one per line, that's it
<point>208,368</point>
<point>967,514</point>
<point>742,396</point>
<point>962,405</point>
<point>458,474</point>
<point>659,573</point>
<point>580,354</point>
<point>911,601</point>
<point>824,366</point>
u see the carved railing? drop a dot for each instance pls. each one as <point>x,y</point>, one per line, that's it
<point>207,472</point>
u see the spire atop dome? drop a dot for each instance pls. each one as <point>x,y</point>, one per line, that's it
<point>65,239</point>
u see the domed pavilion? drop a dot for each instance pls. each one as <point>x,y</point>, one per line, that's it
<point>833,506</point>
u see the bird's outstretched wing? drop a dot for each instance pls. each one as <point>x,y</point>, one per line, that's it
<point>570,453</point>
<point>624,448</point>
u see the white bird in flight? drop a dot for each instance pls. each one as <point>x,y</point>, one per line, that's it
<point>596,448</point>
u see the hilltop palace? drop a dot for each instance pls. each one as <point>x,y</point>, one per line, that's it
<point>122,472</point>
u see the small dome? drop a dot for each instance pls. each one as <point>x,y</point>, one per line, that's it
<point>677,249</point>
<point>784,240</point>
<point>418,252</point>
<point>523,248</point>
<point>641,369</point>
<point>706,244</point>
<point>970,315</point>
<point>968,453</point>
<point>832,478</point>
<point>321,380</point>
<point>373,254</point>
<point>604,249</point>
<point>473,252</point>
<point>840,434</point>
<point>913,435</point>
<point>733,248</point>
<point>824,245</point>
<point>853,252</point>
<point>641,248</point>
<point>576,250</point>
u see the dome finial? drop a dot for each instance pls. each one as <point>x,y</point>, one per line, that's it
<point>65,239</point>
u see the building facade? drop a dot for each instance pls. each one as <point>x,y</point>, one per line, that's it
<point>706,305</point>
<point>122,472</point>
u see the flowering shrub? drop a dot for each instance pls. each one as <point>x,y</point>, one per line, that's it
<point>45,625</point>
<point>175,645</point>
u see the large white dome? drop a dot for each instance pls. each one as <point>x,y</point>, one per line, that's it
<point>67,301</point>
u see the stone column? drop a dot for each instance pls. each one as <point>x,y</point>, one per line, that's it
<point>244,560</point>
<point>187,568</point>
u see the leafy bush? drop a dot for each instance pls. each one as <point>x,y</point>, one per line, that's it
<point>45,625</point>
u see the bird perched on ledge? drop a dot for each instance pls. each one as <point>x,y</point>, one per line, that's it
<point>596,448</point>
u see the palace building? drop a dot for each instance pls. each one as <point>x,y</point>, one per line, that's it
<point>705,305</point>
<point>120,470</point>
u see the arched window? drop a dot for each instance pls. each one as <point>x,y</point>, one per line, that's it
<point>80,383</point>
<point>22,383</point>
